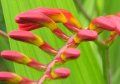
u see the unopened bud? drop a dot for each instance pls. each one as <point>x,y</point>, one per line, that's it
<point>26,36</point>
<point>28,26</point>
<point>36,18</point>
<point>32,20</point>
<point>29,37</point>
<point>68,54</point>
<point>103,22</point>
<point>53,13</point>
<point>116,21</point>
<point>21,58</point>
<point>59,73</point>
<point>13,78</point>
<point>85,35</point>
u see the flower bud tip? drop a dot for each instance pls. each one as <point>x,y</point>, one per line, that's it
<point>60,73</point>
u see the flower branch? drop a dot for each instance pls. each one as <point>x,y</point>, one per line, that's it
<point>3,34</point>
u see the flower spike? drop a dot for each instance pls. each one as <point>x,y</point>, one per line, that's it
<point>30,21</point>
<point>13,78</point>
<point>49,17</point>
<point>29,37</point>
<point>22,59</point>
<point>59,73</point>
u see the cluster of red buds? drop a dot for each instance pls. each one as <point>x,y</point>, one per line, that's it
<point>49,17</point>
<point>110,23</point>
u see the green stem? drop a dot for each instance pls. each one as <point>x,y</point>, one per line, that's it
<point>104,51</point>
<point>106,66</point>
<point>2,33</point>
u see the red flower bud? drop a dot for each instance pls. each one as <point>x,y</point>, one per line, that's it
<point>85,35</point>
<point>53,13</point>
<point>36,18</point>
<point>70,53</point>
<point>13,78</point>
<point>26,36</point>
<point>32,20</point>
<point>59,15</point>
<point>116,21</point>
<point>28,26</point>
<point>59,73</point>
<point>29,37</point>
<point>104,23</point>
<point>21,58</point>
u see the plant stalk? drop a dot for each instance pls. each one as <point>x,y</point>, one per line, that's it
<point>3,34</point>
<point>106,66</point>
<point>53,62</point>
<point>104,52</point>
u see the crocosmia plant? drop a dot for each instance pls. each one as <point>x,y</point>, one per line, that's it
<point>45,17</point>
